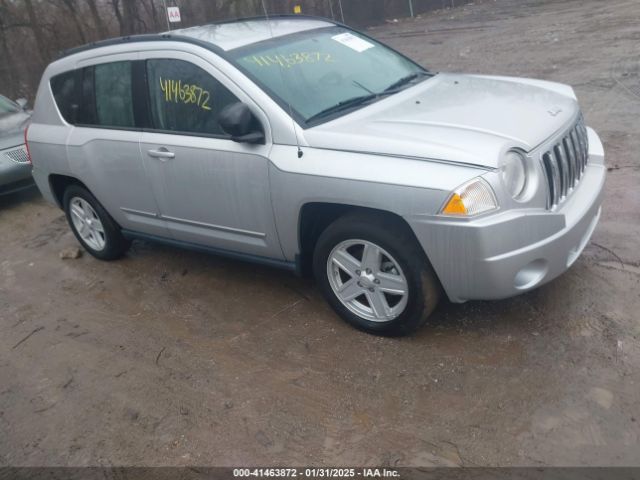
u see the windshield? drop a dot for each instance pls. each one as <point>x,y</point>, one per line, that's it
<point>316,71</point>
<point>7,106</point>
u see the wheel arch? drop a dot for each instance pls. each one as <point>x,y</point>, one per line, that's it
<point>315,217</point>
<point>59,183</point>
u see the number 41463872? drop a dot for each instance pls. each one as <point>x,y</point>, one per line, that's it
<point>175,91</point>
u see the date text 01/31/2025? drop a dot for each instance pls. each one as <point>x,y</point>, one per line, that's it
<point>316,472</point>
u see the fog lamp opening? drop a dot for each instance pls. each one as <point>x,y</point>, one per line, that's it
<point>531,274</point>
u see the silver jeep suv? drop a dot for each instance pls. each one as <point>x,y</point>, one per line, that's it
<point>300,143</point>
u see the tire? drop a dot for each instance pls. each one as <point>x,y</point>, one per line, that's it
<point>353,234</point>
<point>108,244</point>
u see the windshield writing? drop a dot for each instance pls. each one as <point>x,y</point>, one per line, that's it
<point>315,71</point>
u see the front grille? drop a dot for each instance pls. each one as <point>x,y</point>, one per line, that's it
<point>565,162</point>
<point>18,155</point>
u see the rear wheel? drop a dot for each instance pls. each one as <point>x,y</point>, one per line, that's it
<point>92,225</point>
<point>373,273</point>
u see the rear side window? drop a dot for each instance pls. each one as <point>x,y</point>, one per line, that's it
<point>112,94</point>
<point>66,95</point>
<point>185,98</point>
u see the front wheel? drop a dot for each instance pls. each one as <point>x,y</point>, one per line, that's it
<point>374,274</point>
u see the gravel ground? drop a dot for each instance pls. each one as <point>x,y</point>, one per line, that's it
<point>174,358</point>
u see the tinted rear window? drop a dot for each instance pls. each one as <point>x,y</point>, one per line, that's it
<point>113,97</point>
<point>66,94</point>
<point>99,95</point>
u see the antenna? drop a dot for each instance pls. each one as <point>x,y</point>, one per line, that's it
<point>293,123</point>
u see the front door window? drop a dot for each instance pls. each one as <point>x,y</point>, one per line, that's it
<point>184,98</point>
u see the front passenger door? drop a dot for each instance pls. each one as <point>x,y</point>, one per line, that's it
<point>211,190</point>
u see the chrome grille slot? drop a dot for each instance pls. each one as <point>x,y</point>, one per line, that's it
<point>564,163</point>
<point>561,153</point>
<point>18,155</point>
<point>571,153</point>
<point>577,155</point>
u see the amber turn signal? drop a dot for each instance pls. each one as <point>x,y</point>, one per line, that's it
<point>455,206</point>
<point>472,198</point>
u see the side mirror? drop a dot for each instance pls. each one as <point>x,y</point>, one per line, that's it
<point>22,103</point>
<point>237,121</point>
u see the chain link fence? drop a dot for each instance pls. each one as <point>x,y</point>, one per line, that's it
<point>359,13</point>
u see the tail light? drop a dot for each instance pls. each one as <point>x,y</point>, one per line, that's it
<point>26,144</point>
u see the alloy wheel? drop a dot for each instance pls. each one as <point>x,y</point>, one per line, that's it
<point>367,280</point>
<point>87,223</point>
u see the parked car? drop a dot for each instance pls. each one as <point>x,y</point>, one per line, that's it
<point>15,170</point>
<point>300,143</point>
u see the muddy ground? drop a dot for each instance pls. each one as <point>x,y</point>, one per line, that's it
<point>172,358</point>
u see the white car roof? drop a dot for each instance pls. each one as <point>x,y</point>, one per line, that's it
<point>239,33</point>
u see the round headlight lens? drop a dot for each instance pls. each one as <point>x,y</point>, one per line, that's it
<point>514,173</point>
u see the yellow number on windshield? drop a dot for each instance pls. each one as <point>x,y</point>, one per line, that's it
<point>177,92</point>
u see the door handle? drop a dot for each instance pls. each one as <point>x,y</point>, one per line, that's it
<point>162,153</point>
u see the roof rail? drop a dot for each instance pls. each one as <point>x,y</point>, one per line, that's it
<point>114,41</point>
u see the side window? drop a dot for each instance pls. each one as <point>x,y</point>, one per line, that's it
<point>112,94</point>
<point>185,98</point>
<point>65,93</point>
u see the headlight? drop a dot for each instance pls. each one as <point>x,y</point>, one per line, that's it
<point>513,171</point>
<point>471,198</point>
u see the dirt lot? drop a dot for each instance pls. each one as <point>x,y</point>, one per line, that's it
<point>174,358</point>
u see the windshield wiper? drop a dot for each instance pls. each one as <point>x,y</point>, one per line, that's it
<point>360,100</point>
<point>343,105</point>
<point>404,81</point>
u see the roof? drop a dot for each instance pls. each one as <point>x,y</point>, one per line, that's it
<point>238,33</point>
<point>222,36</point>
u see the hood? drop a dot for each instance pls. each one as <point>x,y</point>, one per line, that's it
<point>469,119</point>
<point>12,129</point>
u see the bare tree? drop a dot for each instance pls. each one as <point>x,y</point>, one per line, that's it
<point>115,4</point>
<point>152,11</point>
<point>5,51</point>
<point>214,9</point>
<point>37,31</point>
<point>97,19</point>
<point>72,9</point>
<point>132,20</point>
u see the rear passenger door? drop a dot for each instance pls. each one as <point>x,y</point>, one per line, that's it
<point>104,147</point>
<point>211,190</point>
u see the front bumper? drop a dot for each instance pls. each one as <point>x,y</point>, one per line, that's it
<point>514,251</point>
<point>13,176</point>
